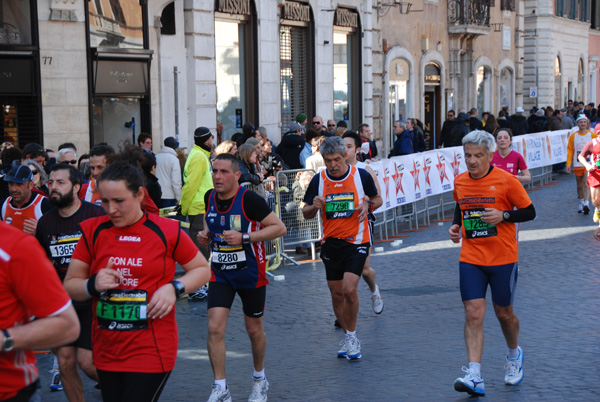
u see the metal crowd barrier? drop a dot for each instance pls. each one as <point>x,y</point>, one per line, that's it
<point>290,187</point>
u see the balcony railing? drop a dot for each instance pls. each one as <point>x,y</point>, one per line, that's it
<point>464,13</point>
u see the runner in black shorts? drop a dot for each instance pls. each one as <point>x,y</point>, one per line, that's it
<point>58,232</point>
<point>238,221</point>
<point>339,194</point>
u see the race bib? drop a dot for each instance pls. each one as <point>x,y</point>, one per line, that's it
<point>340,205</point>
<point>228,258</point>
<point>475,228</point>
<point>122,310</point>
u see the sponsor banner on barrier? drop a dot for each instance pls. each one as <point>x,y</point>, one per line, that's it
<point>409,178</point>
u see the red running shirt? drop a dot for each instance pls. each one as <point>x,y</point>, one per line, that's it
<point>512,163</point>
<point>145,253</point>
<point>28,286</point>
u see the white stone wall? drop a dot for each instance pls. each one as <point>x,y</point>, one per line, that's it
<point>547,36</point>
<point>64,78</point>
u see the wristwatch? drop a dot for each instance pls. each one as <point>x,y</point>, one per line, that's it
<point>7,343</point>
<point>245,238</point>
<point>179,288</point>
<point>506,215</point>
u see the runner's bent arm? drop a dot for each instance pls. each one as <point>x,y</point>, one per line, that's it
<point>76,281</point>
<point>273,228</point>
<point>313,203</point>
<point>585,153</point>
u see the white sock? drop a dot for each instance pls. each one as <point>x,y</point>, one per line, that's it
<point>222,383</point>
<point>376,292</point>
<point>582,201</point>
<point>476,367</point>
<point>587,203</point>
<point>259,374</point>
<point>513,353</point>
<point>350,334</point>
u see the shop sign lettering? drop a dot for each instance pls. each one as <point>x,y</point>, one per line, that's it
<point>296,11</point>
<point>346,18</point>
<point>234,6</point>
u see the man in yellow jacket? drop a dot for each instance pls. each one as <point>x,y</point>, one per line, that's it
<point>197,180</point>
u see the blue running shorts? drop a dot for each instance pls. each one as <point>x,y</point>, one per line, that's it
<point>474,280</point>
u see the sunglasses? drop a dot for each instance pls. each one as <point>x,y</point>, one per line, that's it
<point>331,125</point>
<point>71,162</point>
<point>34,172</point>
<point>316,122</point>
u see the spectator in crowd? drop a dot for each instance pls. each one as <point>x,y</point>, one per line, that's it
<point>540,123</point>
<point>67,156</point>
<point>317,124</point>
<point>316,162</point>
<point>238,138</point>
<point>256,144</point>
<point>484,117</point>
<point>404,140</point>
<point>342,123</point>
<point>549,110</point>
<point>447,127</point>
<point>502,120</point>
<point>368,149</point>
<point>197,180</point>
<point>459,131</point>
<point>491,125</point>
<point>302,119</point>
<point>531,118</point>
<point>506,111</point>
<point>100,157</point>
<point>291,146</point>
<point>330,128</point>
<point>518,122</point>
<point>70,145</point>
<point>248,156</point>
<point>168,172</point>
<point>83,159</point>
<point>226,147</point>
<point>474,122</point>
<point>270,162</point>
<point>40,178</point>
<point>555,121</point>
<point>419,144</point>
<point>299,189</point>
<point>8,156</point>
<point>249,131</point>
<point>307,152</point>
<point>340,131</point>
<point>144,141</point>
<point>567,119</point>
<point>7,144</point>
<point>36,152</point>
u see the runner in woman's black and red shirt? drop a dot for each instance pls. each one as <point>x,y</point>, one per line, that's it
<point>126,262</point>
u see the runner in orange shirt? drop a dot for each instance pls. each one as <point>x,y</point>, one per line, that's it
<point>339,195</point>
<point>486,198</point>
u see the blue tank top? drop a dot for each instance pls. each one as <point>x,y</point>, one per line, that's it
<point>241,266</point>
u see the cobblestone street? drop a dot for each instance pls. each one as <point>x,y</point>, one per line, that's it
<point>415,349</point>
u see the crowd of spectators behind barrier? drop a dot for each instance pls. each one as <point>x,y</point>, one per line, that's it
<point>298,148</point>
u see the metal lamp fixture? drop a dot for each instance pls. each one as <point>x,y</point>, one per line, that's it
<point>403,6</point>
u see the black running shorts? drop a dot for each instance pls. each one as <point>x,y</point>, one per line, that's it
<point>340,257</point>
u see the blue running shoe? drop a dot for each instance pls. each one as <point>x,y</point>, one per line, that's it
<point>470,383</point>
<point>514,369</point>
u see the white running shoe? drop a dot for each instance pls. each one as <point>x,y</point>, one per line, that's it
<point>470,383</point>
<point>353,345</point>
<point>514,369</point>
<point>377,302</point>
<point>343,349</point>
<point>260,386</point>
<point>219,395</point>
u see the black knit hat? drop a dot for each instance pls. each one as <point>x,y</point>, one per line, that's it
<point>202,134</point>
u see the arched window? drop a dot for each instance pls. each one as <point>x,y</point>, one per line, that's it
<point>580,80</point>
<point>398,100</point>
<point>557,82</point>
<point>484,89</point>
<point>167,20</point>
<point>506,88</point>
